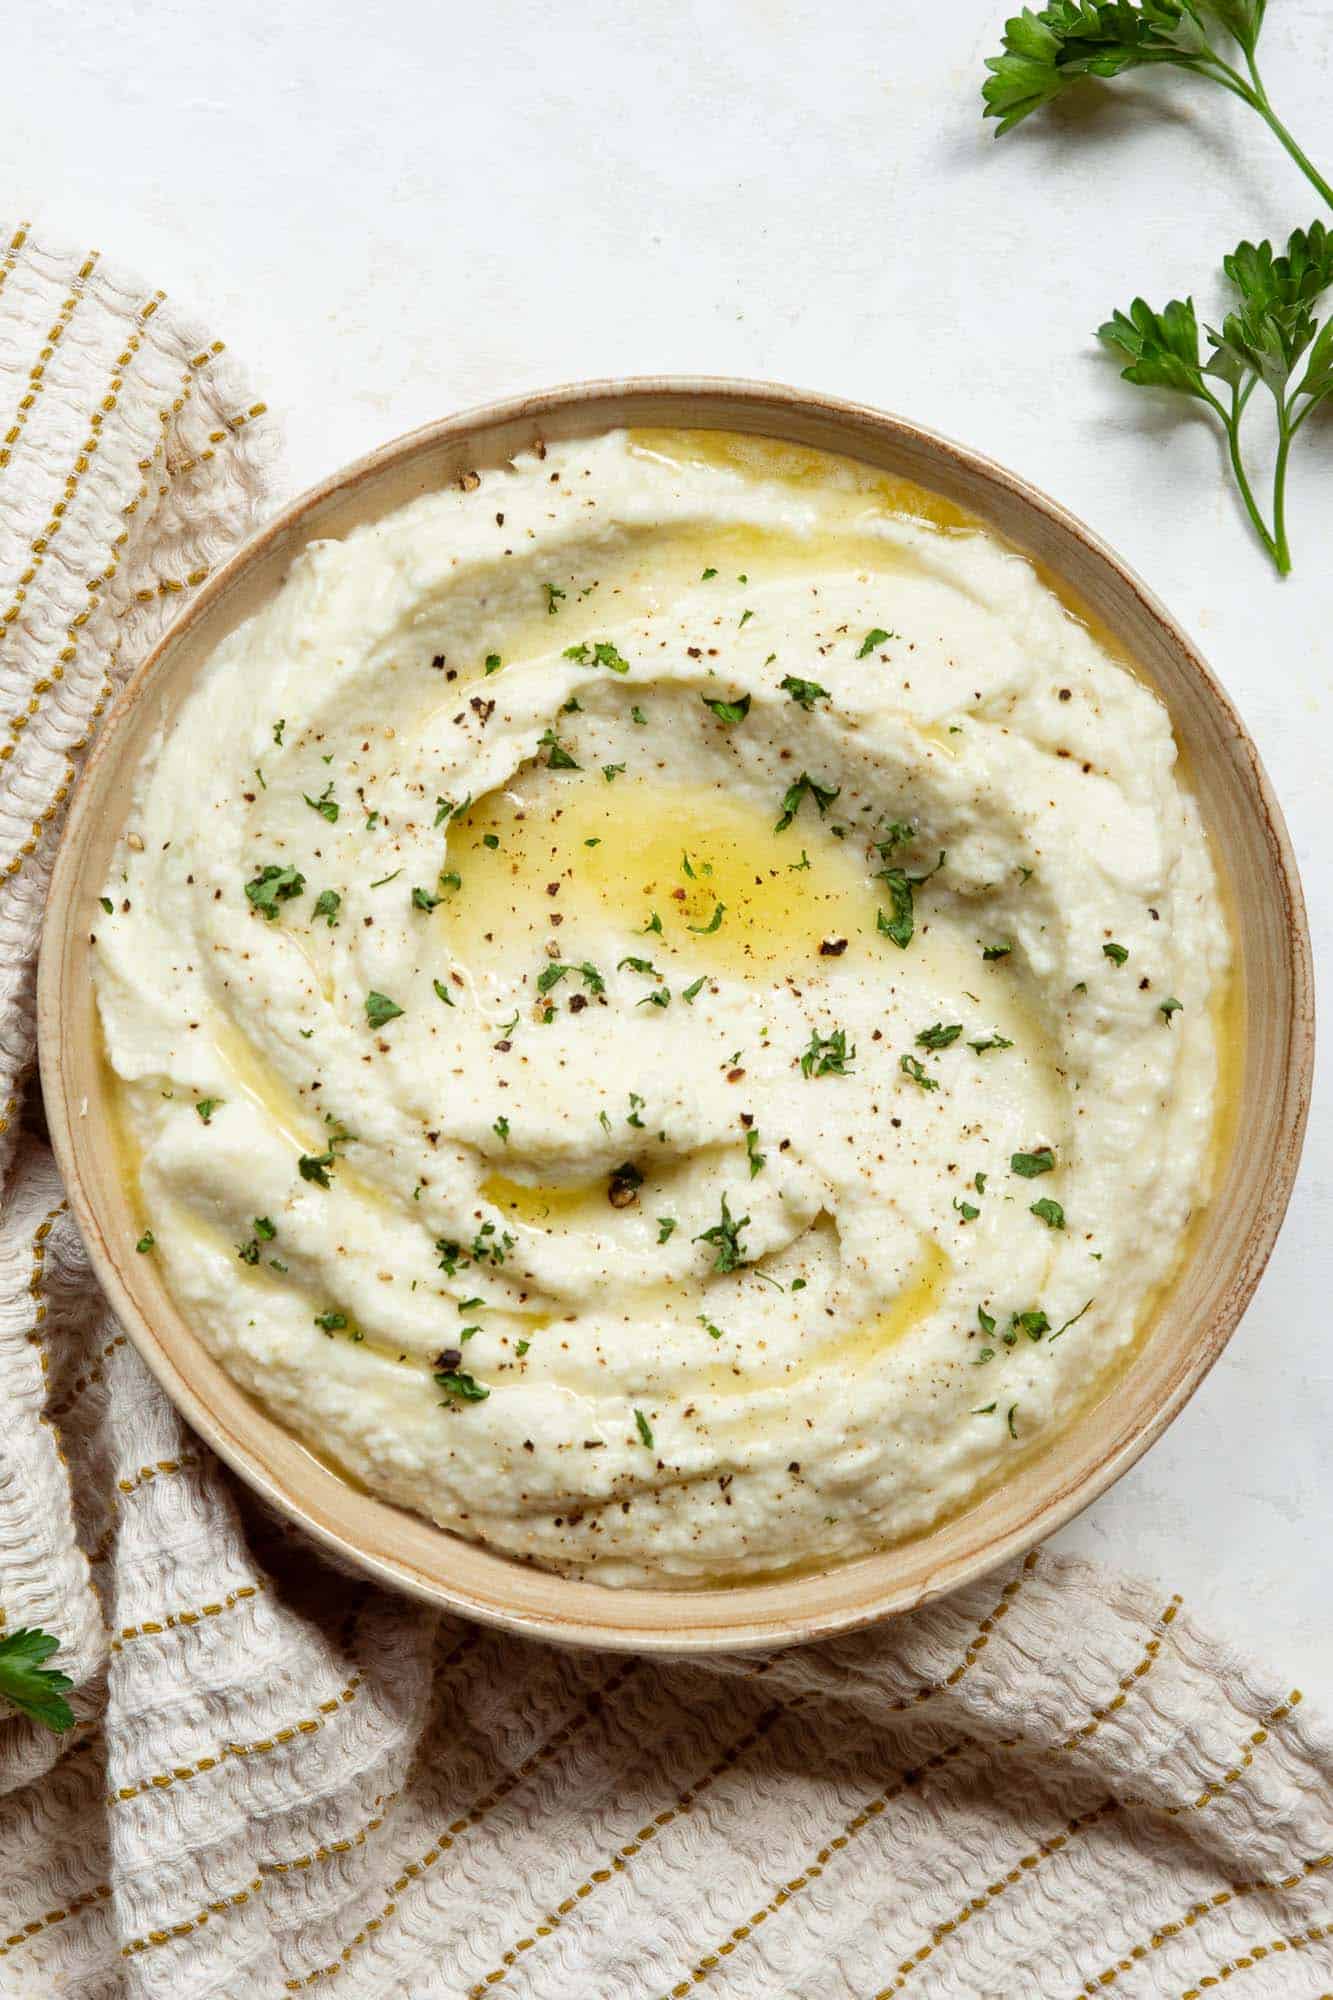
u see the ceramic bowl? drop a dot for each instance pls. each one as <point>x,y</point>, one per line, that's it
<point>1232,1240</point>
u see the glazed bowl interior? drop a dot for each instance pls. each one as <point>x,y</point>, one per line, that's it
<point>1234,1234</point>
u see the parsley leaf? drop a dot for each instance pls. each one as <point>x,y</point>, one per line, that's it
<point>325,804</point>
<point>735,710</point>
<point>1115,952</point>
<point>1168,1008</point>
<point>910,1067</point>
<point>757,1160</point>
<point>327,905</point>
<point>442,992</point>
<point>939,1037</point>
<point>725,1237</point>
<point>206,1107</point>
<point>991,1042</point>
<point>714,922</point>
<point>828,1055</point>
<point>807,693</point>
<point>557,757</point>
<point>876,636</point>
<point>380,1008</point>
<point>823,796</point>
<point>314,1167</point>
<point>37,1690</point>
<point>1029,1165</point>
<point>461,1386</point>
<point>274,885</point>
<point>644,1429</point>
<point>1049,1212</point>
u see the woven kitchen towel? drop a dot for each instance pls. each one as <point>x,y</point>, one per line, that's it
<point>1049,1785</point>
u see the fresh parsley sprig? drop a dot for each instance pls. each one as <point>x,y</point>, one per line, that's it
<point>1269,337</point>
<point>1048,51</point>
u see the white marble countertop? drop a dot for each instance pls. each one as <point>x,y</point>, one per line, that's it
<point>390,214</point>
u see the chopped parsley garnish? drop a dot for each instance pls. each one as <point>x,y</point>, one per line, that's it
<point>757,1160</point>
<point>1071,1322</point>
<point>383,880</point>
<point>643,965</point>
<point>939,1037</point>
<point>423,900</point>
<point>1001,950</point>
<point>910,1067</point>
<point>636,715</point>
<point>521,1347</point>
<point>501,1129</point>
<point>735,710</point>
<point>967,1209</point>
<point>979,1182</point>
<point>557,757</point>
<point>490,1246</point>
<point>551,976</point>
<point>984,1320</point>
<point>876,636</point>
<point>744,618</point>
<point>592,979</point>
<point>492,663</point>
<point>442,992</point>
<point>1049,1212</point>
<point>1033,1323</point>
<point>713,1332</point>
<point>991,1042</point>
<point>325,804</point>
<point>1029,1165</point>
<point>707,575</point>
<point>654,924</point>
<point>553,595</point>
<point>1168,1008</point>
<point>248,1252</point>
<point>1115,952</point>
<point>823,796</point>
<point>461,1386</point>
<point>636,1104</point>
<point>986,1410</point>
<point>446,809</point>
<point>725,1237</point>
<point>107,904</point>
<point>806,692</point>
<point>264,1229</point>
<point>206,1107</point>
<point>692,992</point>
<point>331,1322</point>
<point>901,924</point>
<point>271,886</point>
<point>828,1055</point>
<point>666,1227</point>
<point>314,1167</point>
<point>146,1242</point>
<point>278,728</point>
<point>380,1008</point>
<point>661,998</point>
<point>714,922</point>
<point>327,905</point>
<point>644,1429</point>
<point>1010,1421</point>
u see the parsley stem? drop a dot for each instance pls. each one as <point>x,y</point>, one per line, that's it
<point>1258,97</point>
<point>1231,423</point>
<point>1281,551</point>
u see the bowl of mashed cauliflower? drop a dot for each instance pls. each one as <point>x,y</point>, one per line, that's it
<point>676,1014</point>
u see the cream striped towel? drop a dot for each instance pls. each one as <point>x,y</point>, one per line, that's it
<point>281,1780</point>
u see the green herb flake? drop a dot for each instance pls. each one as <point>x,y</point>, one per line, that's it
<point>1029,1165</point>
<point>460,1386</point>
<point>271,886</point>
<point>967,1209</point>
<point>146,1242</point>
<point>553,596</point>
<point>734,710</point>
<point>692,992</point>
<point>501,1129</point>
<point>876,636</point>
<point>442,992</point>
<point>1049,1212</point>
<point>1168,1008</point>
<point>910,1067</point>
<point>557,757</point>
<point>725,1238</point>
<point>823,796</point>
<point>644,1429</point>
<point>991,1042</point>
<point>206,1107</point>
<point>993,951</point>
<point>828,1055</point>
<point>807,693</point>
<point>380,1009</point>
<point>1115,952</point>
<point>314,1167</point>
<point>939,1037</point>
<point>326,805</point>
<point>714,923</point>
<point>327,905</point>
<point>757,1160</point>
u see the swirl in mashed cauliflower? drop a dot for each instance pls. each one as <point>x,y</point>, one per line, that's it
<point>662,1004</point>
